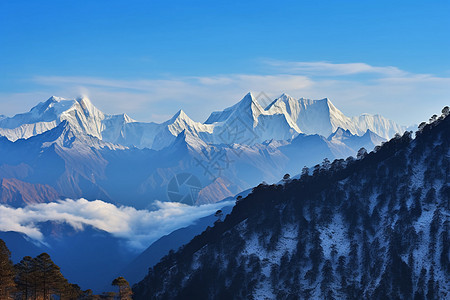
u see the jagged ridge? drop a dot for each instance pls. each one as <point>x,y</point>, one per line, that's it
<point>283,119</point>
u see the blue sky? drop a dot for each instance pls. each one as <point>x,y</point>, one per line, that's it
<point>151,58</point>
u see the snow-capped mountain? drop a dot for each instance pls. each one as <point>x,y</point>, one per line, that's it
<point>378,124</point>
<point>69,148</point>
<point>322,117</point>
<point>179,123</point>
<point>312,116</point>
<point>354,141</point>
<point>81,114</point>
<point>245,123</point>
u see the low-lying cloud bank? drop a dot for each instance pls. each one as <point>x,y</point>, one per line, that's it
<point>139,228</point>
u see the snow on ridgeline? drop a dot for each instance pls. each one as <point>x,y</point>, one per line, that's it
<point>283,119</point>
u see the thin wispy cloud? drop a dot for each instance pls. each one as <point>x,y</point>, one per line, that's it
<point>322,68</point>
<point>138,227</point>
<point>196,95</point>
<point>190,85</point>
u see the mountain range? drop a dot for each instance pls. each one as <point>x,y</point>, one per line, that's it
<point>282,119</point>
<point>69,148</point>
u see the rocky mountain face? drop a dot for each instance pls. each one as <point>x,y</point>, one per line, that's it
<point>14,190</point>
<point>375,227</point>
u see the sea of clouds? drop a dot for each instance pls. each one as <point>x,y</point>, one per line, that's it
<point>139,228</point>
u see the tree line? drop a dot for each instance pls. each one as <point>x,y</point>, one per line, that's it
<point>39,278</point>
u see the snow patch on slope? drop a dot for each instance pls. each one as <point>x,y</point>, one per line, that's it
<point>334,235</point>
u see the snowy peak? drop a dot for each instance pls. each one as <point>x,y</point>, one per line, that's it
<point>127,119</point>
<point>67,136</point>
<point>369,140</point>
<point>50,109</point>
<point>322,117</point>
<point>247,109</point>
<point>246,102</point>
<point>55,99</point>
<point>166,132</point>
<point>46,105</point>
<point>122,118</point>
<point>80,113</point>
<point>373,137</point>
<point>186,140</point>
<point>180,121</point>
<point>248,123</point>
<point>309,102</point>
<point>380,125</point>
<point>86,105</point>
<point>306,115</point>
<point>284,103</point>
<point>340,133</point>
<point>84,117</point>
<point>180,116</point>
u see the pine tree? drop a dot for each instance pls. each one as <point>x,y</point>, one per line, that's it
<point>71,291</point>
<point>444,257</point>
<point>419,295</point>
<point>326,163</point>
<point>327,278</point>
<point>286,178</point>
<point>305,173</point>
<point>431,285</point>
<point>361,153</point>
<point>342,272</point>
<point>124,288</point>
<point>50,280</point>
<point>416,209</point>
<point>7,285</point>
<point>430,196</point>
<point>26,278</point>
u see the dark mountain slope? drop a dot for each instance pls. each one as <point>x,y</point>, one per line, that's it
<point>151,256</point>
<point>375,227</point>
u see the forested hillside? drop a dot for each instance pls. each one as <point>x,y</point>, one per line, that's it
<point>371,227</point>
<point>40,278</point>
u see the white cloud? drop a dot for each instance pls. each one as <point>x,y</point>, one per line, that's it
<point>139,227</point>
<point>323,68</point>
